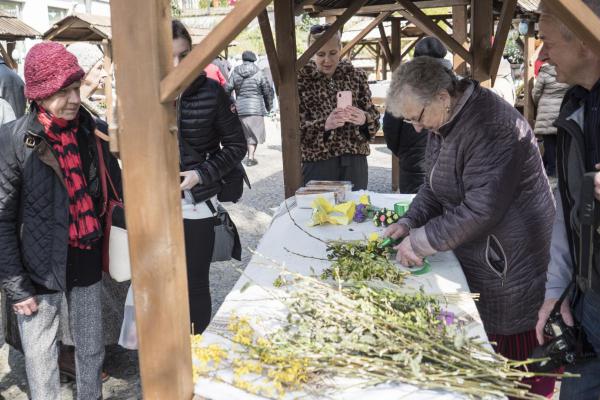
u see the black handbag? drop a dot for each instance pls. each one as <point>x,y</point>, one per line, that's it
<point>232,184</point>
<point>227,241</point>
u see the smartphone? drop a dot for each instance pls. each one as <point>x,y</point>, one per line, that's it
<point>344,99</point>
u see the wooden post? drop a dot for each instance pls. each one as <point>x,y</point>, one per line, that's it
<point>378,63</point>
<point>385,45</point>
<point>384,68</point>
<point>481,36</point>
<point>267,35</point>
<point>142,39</point>
<point>396,43</point>
<point>528,76</point>
<point>508,10</point>
<point>108,92</point>
<point>289,103</point>
<point>459,32</point>
<point>8,60</point>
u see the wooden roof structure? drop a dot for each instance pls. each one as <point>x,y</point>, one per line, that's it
<point>146,130</point>
<point>80,27</point>
<point>13,29</point>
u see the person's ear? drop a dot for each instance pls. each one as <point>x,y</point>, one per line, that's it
<point>443,95</point>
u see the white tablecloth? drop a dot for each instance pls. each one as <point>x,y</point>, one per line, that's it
<point>446,276</point>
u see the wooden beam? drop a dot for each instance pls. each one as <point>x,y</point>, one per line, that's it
<point>506,17</point>
<point>60,30</point>
<point>481,35</point>
<point>580,20</point>
<point>396,44</point>
<point>385,45</point>
<point>108,91</point>
<point>424,22</point>
<point>459,33</point>
<point>411,46</point>
<point>335,27</point>
<point>360,36</point>
<point>142,44</point>
<point>216,40</point>
<point>528,75</point>
<point>285,32</point>
<point>270,49</point>
<point>300,7</point>
<point>376,9</point>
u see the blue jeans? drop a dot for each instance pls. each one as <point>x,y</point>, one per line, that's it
<point>587,312</point>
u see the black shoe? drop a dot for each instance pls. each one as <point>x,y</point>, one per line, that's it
<point>251,162</point>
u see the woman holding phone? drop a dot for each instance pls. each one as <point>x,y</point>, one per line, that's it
<point>337,116</point>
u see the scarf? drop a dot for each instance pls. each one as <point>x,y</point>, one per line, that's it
<point>591,123</point>
<point>84,227</point>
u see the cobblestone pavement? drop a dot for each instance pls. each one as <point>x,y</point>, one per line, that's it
<point>252,216</point>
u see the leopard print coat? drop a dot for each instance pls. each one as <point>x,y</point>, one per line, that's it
<point>318,99</point>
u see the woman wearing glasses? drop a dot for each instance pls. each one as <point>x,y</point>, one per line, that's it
<point>335,136</point>
<point>486,198</point>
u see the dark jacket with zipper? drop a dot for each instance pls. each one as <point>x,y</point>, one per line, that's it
<point>254,94</point>
<point>488,199</point>
<point>409,146</point>
<point>34,216</point>
<point>208,122</point>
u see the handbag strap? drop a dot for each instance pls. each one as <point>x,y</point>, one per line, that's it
<point>105,178</point>
<point>211,207</point>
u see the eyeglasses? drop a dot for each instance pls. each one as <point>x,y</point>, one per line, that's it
<point>316,29</point>
<point>418,121</point>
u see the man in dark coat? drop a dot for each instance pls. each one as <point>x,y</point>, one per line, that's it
<point>402,139</point>
<point>11,89</point>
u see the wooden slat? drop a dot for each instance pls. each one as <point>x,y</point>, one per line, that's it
<point>142,43</point>
<point>335,27</point>
<point>285,38</point>
<point>411,46</point>
<point>396,43</point>
<point>528,76</point>
<point>579,19</point>
<point>108,92</point>
<point>210,47</point>
<point>385,45</point>
<point>508,10</point>
<point>376,9</point>
<point>423,22</point>
<point>459,33</point>
<point>481,34</point>
<point>269,42</point>
<point>360,36</point>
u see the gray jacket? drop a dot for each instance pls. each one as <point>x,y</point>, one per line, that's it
<point>548,95</point>
<point>487,198</point>
<point>12,89</point>
<point>254,94</point>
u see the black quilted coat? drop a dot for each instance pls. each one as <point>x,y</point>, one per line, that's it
<point>34,218</point>
<point>409,146</point>
<point>488,199</point>
<point>208,122</point>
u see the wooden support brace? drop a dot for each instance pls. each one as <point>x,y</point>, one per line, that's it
<point>411,46</point>
<point>579,19</point>
<point>423,22</point>
<point>217,39</point>
<point>375,9</point>
<point>508,9</point>
<point>60,30</point>
<point>459,33</point>
<point>142,44</point>
<point>360,36</point>
<point>385,45</point>
<point>335,27</point>
<point>481,34</point>
<point>269,42</point>
<point>396,43</point>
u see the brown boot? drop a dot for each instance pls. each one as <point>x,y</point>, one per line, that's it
<point>66,365</point>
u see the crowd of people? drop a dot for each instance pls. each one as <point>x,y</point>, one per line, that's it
<point>473,160</point>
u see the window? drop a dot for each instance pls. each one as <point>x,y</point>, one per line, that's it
<point>55,14</point>
<point>12,8</point>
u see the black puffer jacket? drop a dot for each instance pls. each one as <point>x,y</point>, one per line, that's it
<point>34,216</point>
<point>488,199</point>
<point>209,123</point>
<point>409,146</point>
<point>254,94</point>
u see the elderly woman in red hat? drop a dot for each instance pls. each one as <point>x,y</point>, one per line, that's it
<point>51,222</point>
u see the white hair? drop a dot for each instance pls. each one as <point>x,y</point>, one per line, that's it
<point>594,6</point>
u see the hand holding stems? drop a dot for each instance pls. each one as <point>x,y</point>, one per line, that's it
<point>406,255</point>
<point>26,307</point>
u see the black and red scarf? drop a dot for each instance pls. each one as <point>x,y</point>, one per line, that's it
<point>84,226</point>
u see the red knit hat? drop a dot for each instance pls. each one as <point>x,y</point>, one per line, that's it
<point>49,67</point>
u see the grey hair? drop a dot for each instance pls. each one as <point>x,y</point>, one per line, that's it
<point>594,6</point>
<point>422,78</point>
<point>313,37</point>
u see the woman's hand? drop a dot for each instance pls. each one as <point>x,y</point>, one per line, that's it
<point>26,307</point>
<point>355,116</point>
<point>336,119</point>
<point>406,255</point>
<point>396,231</point>
<point>190,179</point>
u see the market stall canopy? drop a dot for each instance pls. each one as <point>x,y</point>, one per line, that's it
<point>80,27</point>
<point>529,5</point>
<point>13,29</point>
